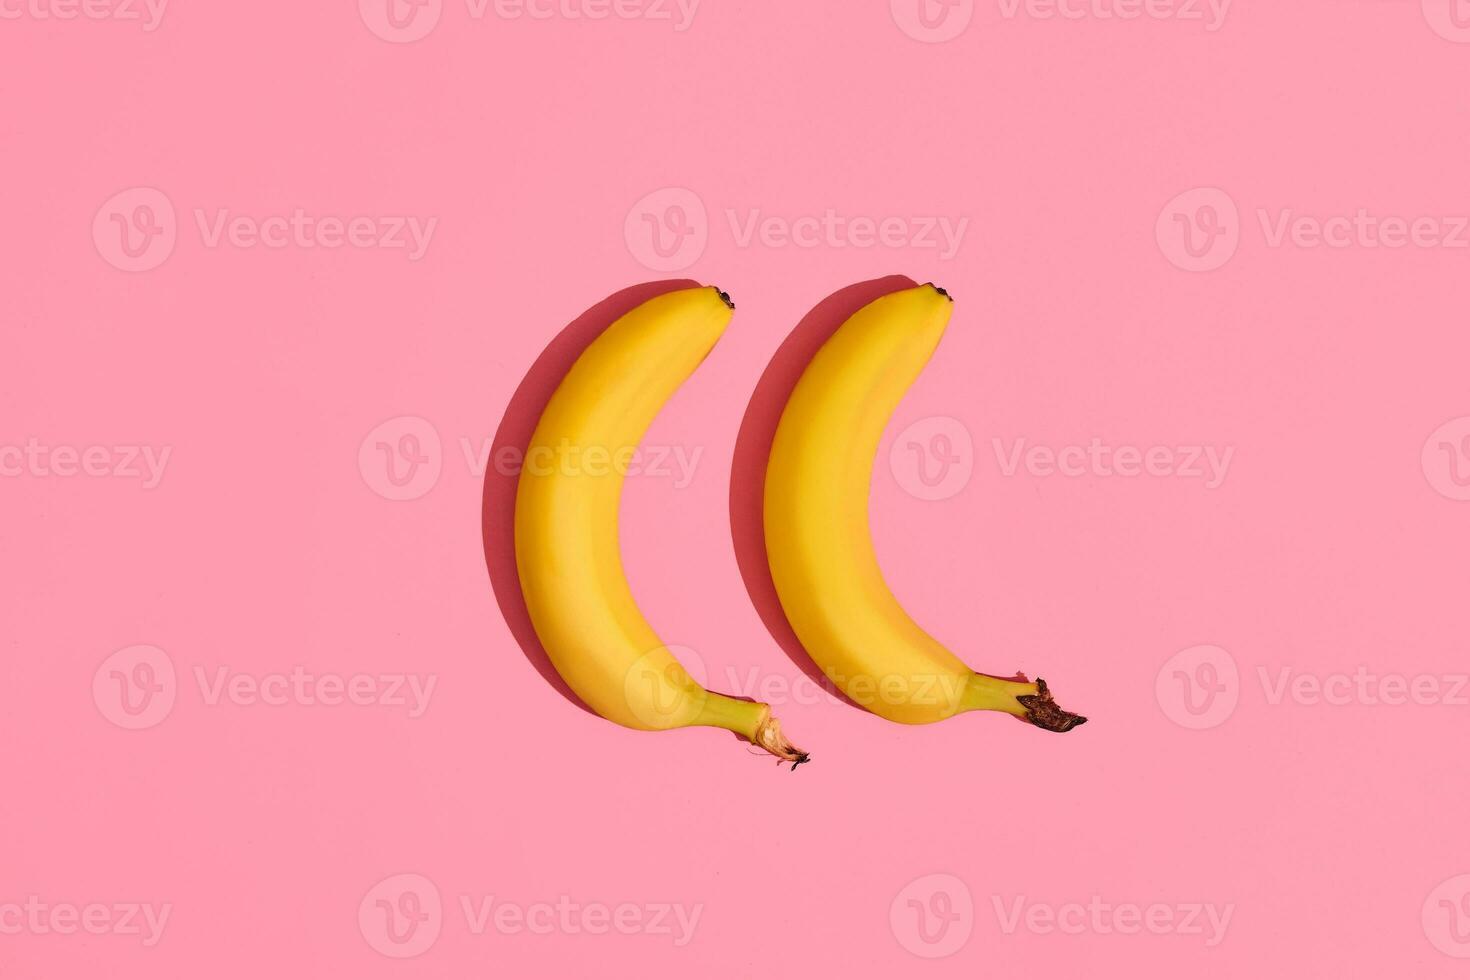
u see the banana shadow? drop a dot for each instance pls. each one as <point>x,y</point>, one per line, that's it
<point>508,449</point>
<point>753,446</point>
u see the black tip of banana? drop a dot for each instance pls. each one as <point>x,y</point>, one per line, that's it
<point>1044,712</point>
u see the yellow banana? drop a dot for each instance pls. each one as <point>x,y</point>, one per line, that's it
<point>566,524</point>
<point>816,524</point>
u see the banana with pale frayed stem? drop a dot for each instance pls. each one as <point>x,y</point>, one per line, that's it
<point>566,525</point>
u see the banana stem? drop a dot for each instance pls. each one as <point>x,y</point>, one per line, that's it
<point>769,737</point>
<point>1031,702</point>
<point>752,721</point>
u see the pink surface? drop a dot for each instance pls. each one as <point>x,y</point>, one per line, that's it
<point>1196,449</point>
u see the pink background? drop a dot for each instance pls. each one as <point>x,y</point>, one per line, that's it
<point>1335,832</point>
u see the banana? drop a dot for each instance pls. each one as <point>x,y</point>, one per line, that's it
<point>819,545</point>
<point>566,524</point>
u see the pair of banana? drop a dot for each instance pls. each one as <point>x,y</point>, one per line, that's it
<point>816,526</point>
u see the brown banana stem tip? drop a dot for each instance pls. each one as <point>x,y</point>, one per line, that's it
<point>769,737</point>
<point>1045,713</point>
